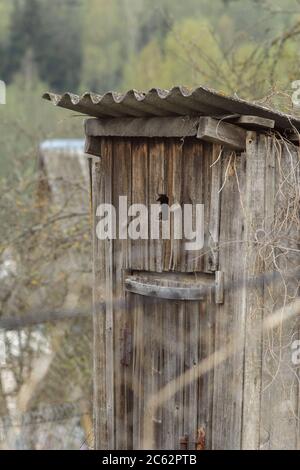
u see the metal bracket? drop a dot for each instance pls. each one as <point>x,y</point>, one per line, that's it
<point>219,287</point>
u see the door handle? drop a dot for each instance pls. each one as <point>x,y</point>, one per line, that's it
<point>171,292</point>
<point>175,290</point>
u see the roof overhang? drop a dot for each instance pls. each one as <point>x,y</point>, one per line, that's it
<point>178,101</point>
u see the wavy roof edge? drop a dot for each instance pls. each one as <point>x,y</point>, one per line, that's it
<point>179,101</point>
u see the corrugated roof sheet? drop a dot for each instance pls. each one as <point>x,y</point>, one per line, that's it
<point>179,101</point>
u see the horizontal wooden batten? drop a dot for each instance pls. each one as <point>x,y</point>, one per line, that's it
<point>204,128</point>
<point>222,133</point>
<point>253,122</point>
<point>183,126</point>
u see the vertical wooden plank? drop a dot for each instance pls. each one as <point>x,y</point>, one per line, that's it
<point>140,179</point>
<point>157,188</point>
<point>191,360</point>
<point>169,372</point>
<point>198,189</point>
<point>99,315</point>
<point>122,317</point>
<point>138,371</point>
<point>206,382</point>
<point>267,336</point>
<point>149,376</point>
<point>207,199</point>
<point>213,228</point>
<point>179,428</point>
<point>158,372</point>
<point>254,266</point>
<point>193,192</point>
<point>139,261</point>
<point>128,372</point>
<point>107,246</point>
<point>174,165</point>
<point>230,317</point>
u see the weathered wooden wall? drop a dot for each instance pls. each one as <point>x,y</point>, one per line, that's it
<point>142,344</point>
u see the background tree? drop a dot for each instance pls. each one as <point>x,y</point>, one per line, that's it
<point>45,35</point>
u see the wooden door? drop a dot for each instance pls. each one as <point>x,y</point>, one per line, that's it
<point>151,344</point>
<point>170,338</point>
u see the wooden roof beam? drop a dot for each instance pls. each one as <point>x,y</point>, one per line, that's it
<point>222,133</point>
<point>206,128</point>
<point>253,122</point>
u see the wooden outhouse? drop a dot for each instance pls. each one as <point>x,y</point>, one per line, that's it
<point>194,348</point>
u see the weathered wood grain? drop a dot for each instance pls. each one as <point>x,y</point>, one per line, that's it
<point>169,341</point>
<point>179,413</point>
<point>99,316</point>
<point>193,182</point>
<point>223,133</point>
<point>254,266</point>
<point>280,381</point>
<point>254,122</point>
<point>267,337</point>
<point>212,231</point>
<point>172,291</point>
<point>191,392</point>
<point>226,422</point>
<point>140,168</point>
<point>206,345</point>
<point>122,317</point>
<point>157,187</point>
<point>138,372</point>
<point>238,404</point>
<point>93,146</point>
<point>219,287</point>
<point>174,166</point>
<point>157,370</point>
<point>183,126</point>
<point>107,247</point>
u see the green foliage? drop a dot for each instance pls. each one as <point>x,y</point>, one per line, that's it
<point>104,44</point>
<point>235,46</point>
<point>59,51</point>
<point>5,13</point>
<point>25,121</point>
<point>46,36</point>
<point>98,45</point>
<point>220,56</point>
